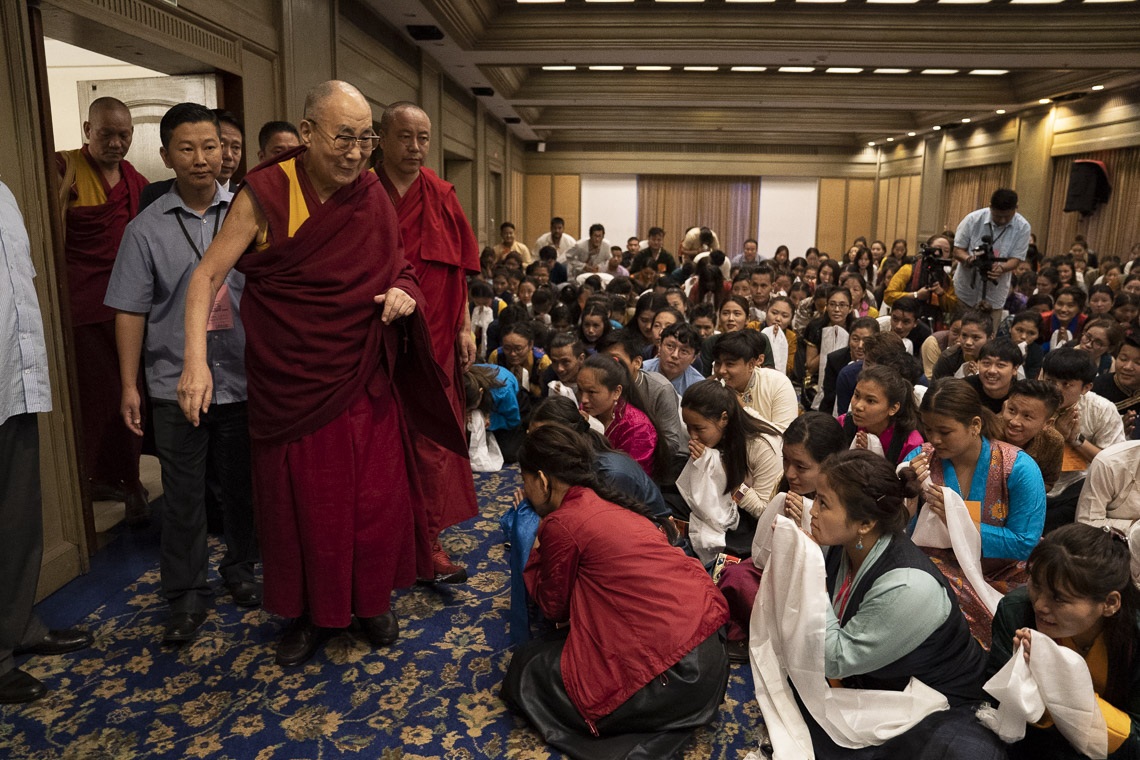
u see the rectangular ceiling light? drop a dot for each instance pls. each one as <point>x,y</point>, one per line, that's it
<point>821,1</point>
<point>606,68</point>
<point>609,1</point>
<point>559,68</point>
<point>940,72</point>
<point>989,72</point>
<point>1034,2</point>
<point>654,68</point>
<point>521,2</point>
<point>750,68</point>
<point>963,2</point>
<point>1107,1</point>
<point>891,71</point>
<point>750,1</point>
<point>893,2</point>
<point>701,68</point>
<point>844,69</point>
<point>796,69</point>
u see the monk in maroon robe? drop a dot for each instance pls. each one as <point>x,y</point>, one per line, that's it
<point>440,245</point>
<point>340,375</point>
<point>99,194</point>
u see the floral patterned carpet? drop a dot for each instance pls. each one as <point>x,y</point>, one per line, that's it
<point>432,695</point>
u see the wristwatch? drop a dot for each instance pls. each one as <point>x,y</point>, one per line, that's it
<point>739,493</point>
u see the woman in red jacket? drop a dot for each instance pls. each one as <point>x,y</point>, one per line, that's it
<point>638,661</point>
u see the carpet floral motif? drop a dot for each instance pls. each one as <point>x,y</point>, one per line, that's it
<point>435,694</point>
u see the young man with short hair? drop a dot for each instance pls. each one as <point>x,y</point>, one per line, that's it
<point>861,329</point>
<point>654,256</point>
<point>557,239</point>
<point>160,248</point>
<point>762,277</point>
<point>998,362</point>
<point>906,325</point>
<point>738,359</point>
<point>508,243</point>
<point>680,344</point>
<point>1088,423</point>
<point>566,355</point>
<point>1026,421</point>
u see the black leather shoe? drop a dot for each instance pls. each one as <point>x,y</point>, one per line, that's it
<point>381,630</point>
<point>137,514</point>
<point>58,642</point>
<point>182,626</point>
<point>245,593</point>
<point>300,642</point>
<point>17,687</point>
<point>737,650</point>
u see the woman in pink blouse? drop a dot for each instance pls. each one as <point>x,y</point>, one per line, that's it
<point>607,394</point>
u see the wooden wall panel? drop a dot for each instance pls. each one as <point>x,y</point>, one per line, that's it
<point>860,210</point>
<point>832,222</point>
<point>537,196</point>
<point>567,203</point>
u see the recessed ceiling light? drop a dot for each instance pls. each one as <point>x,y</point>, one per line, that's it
<point>750,68</point>
<point>936,127</point>
<point>609,1</point>
<point>890,139</point>
<point>1097,87</point>
<point>538,1</point>
<point>989,72</point>
<point>966,120</point>
<point>892,2</point>
<point>750,1</point>
<point>911,134</point>
<point>680,1</point>
<point>559,68</point>
<point>1044,101</point>
<point>1000,111</point>
<point>821,1</point>
<point>963,2</point>
<point>844,70</point>
<point>701,68</point>
<point>1034,2</point>
<point>606,68</point>
<point>872,143</point>
<point>654,68</point>
<point>797,69</point>
<point>940,71</point>
<point>892,71</point>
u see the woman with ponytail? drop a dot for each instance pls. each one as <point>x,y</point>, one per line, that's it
<point>1001,484</point>
<point>1080,595</point>
<point>607,394</point>
<point>637,662</point>
<point>891,615</point>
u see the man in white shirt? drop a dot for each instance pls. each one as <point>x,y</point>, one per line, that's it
<point>738,357</point>
<point>556,238</point>
<point>1088,422</point>
<point>1008,234</point>
<point>1111,494</point>
<point>589,255</point>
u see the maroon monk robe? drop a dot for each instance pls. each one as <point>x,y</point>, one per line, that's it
<point>333,395</point>
<point>440,245</point>
<point>96,217</point>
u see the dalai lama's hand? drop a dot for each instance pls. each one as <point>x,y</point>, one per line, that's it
<point>396,304</point>
<point>465,349</point>
<point>195,389</point>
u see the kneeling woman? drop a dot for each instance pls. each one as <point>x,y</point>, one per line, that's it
<point>640,663</point>
<point>1080,594</point>
<point>892,616</point>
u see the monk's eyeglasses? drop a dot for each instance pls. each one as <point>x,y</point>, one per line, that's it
<point>344,143</point>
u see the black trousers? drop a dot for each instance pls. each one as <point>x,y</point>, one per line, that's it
<point>222,439</point>
<point>655,723</point>
<point>1062,508</point>
<point>21,535</point>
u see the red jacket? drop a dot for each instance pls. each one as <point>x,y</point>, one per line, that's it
<point>636,605</point>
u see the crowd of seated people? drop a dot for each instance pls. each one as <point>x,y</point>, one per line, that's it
<point>956,452</point>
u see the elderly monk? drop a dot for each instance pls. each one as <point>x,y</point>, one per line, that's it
<point>440,245</point>
<point>339,370</point>
<point>99,194</point>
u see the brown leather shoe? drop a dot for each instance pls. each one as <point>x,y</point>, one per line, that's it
<point>300,642</point>
<point>381,630</point>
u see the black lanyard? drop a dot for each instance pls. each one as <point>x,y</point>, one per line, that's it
<point>1003,231</point>
<point>193,245</point>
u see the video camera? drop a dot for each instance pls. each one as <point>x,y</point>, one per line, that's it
<point>984,262</point>
<point>931,267</point>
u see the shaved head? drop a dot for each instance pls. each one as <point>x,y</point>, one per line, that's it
<point>106,105</point>
<point>397,109</point>
<point>109,132</point>
<point>320,97</point>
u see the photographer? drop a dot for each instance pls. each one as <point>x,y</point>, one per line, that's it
<point>983,273</point>
<point>926,280</point>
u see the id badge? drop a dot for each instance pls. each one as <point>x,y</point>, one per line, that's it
<point>222,312</point>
